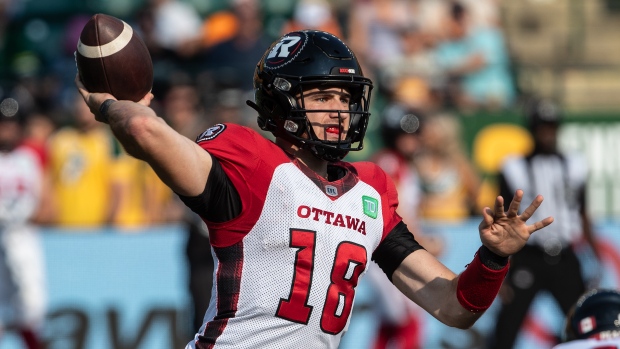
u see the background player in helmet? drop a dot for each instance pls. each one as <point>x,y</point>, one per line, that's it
<point>400,320</point>
<point>293,227</point>
<point>594,321</point>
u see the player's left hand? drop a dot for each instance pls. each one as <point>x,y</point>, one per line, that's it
<point>505,233</point>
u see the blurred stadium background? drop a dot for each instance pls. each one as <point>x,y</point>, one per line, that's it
<point>110,287</point>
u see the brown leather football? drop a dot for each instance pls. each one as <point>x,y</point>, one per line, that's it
<point>112,58</point>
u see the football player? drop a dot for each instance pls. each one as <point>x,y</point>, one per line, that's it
<point>292,226</point>
<point>23,192</point>
<point>594,321</point>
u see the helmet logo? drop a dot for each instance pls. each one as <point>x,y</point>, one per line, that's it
<point>286,50</point>
<point>347,71</point>
<point>282,48</point>
<point>588,324</point>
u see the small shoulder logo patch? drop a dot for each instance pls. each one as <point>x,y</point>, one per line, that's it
<point>371,206</point>
<point>211,133</point>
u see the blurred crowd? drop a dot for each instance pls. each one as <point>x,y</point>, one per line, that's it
<point>436,57</point>
<point>431,62</point>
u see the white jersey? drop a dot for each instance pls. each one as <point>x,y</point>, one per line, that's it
<point>590,344</point>
<point>20,186</point>
<point>22,284</point>
<point>287,267</point>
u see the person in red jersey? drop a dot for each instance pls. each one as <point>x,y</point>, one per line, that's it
<point>292,226</point>
<point>24,204</point>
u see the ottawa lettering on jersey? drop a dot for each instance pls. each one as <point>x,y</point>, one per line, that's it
<point>332,218</point>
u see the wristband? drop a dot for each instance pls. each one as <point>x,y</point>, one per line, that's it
<point>492,259</point>
<point>103,109</point>
<point>478,284</point>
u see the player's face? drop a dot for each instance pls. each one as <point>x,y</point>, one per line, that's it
<point>327,123</point>
<point>546,137</point>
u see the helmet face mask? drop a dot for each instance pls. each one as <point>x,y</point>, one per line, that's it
<point>302,61</point>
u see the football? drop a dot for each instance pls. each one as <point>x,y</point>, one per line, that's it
<point>112,58</point>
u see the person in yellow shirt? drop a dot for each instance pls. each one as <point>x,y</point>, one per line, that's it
<point>449,181</point>
<point>143,197</point>
<point>81,159</point>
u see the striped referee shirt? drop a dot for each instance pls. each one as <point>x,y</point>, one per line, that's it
<point>561,179</point>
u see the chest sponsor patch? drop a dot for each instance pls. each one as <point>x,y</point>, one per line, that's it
<point>211,133</point>
<point>371,206</point>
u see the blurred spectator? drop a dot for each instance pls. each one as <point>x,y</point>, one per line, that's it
<point>141,195</point>
<point>183,111</point>
<point>230,107</point>
<point>218,27</point>
<point>483,13</point>
<point>171,30</point>
<point>374,27</point>
<point>231,62</point>
<point>400,319</point>
<point>449,180</point>
<point>548,262</point>
<point>81,160</point>
<point>476,60</point>
<point>24,197</point>
<point>413,77</point>
<point>313,14</point>
<point>225,24</point>
<point>176,25</point>
<point>64,62</point>
<point>400,126</point>
<point>37,131</point>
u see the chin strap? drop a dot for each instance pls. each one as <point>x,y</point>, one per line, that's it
<point>263,120</point>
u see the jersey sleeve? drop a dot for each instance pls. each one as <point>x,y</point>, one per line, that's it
<point>241,152</point>
<point>235,148</point>
<point>373,175</point>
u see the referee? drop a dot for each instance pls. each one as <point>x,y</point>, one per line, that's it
<point>548,262</point>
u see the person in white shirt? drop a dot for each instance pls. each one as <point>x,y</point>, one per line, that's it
<point>23,197</point>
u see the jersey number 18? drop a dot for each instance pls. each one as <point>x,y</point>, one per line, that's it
<point>349,263</point>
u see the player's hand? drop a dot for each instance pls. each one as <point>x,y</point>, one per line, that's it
<point>505,233</point>
<point>146,100</point>
<point>92,99</point>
